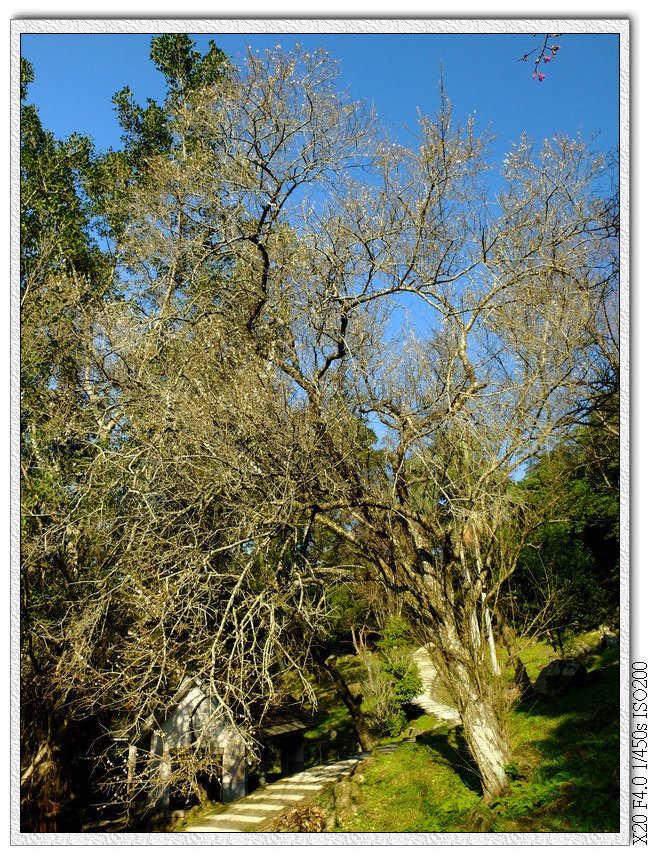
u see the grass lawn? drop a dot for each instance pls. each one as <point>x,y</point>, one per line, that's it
<point>564,771</point>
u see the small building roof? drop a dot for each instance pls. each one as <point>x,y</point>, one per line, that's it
<point>285,720</point>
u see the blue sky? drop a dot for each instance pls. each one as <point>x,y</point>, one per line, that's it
<point>77,74</point>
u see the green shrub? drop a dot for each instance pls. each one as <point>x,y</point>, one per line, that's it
<point>403,673</point>
<point>391,680</point>
<point>395,634</point>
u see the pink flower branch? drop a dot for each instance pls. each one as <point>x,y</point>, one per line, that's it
<point>543,53</point>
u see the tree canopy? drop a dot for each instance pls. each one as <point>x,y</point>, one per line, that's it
<point>268,350</point>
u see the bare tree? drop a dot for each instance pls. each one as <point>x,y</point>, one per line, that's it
<point>290,278</point>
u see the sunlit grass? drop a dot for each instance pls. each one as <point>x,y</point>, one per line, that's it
<point>414,789</point>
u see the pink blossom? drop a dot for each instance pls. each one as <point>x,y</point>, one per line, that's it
<point>540,76</point>
<point>525,57</point>
<point>547,58</point>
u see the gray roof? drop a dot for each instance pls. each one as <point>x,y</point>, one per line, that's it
<point>285,721</point>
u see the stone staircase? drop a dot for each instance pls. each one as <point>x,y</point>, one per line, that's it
<point>425,700</point>
<point>259,810</point>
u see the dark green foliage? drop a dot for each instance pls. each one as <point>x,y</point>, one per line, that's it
<point>404,675</point>
<point>184,68</point>
<point>570,567</point>
<point>72,210</point>
<point>26,77</point>
<point>147,130</point>
<point>395,647</point>
<point>146,133</point>
<point>62,285</point>
<point>392,679</point>
<point>395,634</point>
<point>55,222</point>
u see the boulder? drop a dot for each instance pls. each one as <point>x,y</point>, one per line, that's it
<point>343,799</point>
<point>560,676</point>
<point>609,641</point>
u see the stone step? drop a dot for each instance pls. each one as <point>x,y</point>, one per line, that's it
<point>388,749</point>
<point>306,787</point>
<point>260,807</point>
<point>275,797</point>
<point>200,827</point>
<point>233,817</point>
<point>425,701</point>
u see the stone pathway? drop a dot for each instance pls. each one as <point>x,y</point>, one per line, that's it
<point>256,812</point>
<point>259,810</point>
<point>425,700</point>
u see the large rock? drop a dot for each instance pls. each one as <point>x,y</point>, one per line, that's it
<point>559,677</point>
<point>609,641</point>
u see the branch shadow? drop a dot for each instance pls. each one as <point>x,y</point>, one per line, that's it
<point>451,748</point>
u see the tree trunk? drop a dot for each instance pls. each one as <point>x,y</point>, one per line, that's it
<point>54,786</point>
<point>496,669</point>
<point>352,703</point>
<point>476,694</point>
<point>522,679</point>
<point>487,744</point>
<point>131,769</point>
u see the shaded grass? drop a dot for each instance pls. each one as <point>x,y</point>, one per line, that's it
<point>535,655</point>
<point>566,757</point>
<point>332,735</point>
